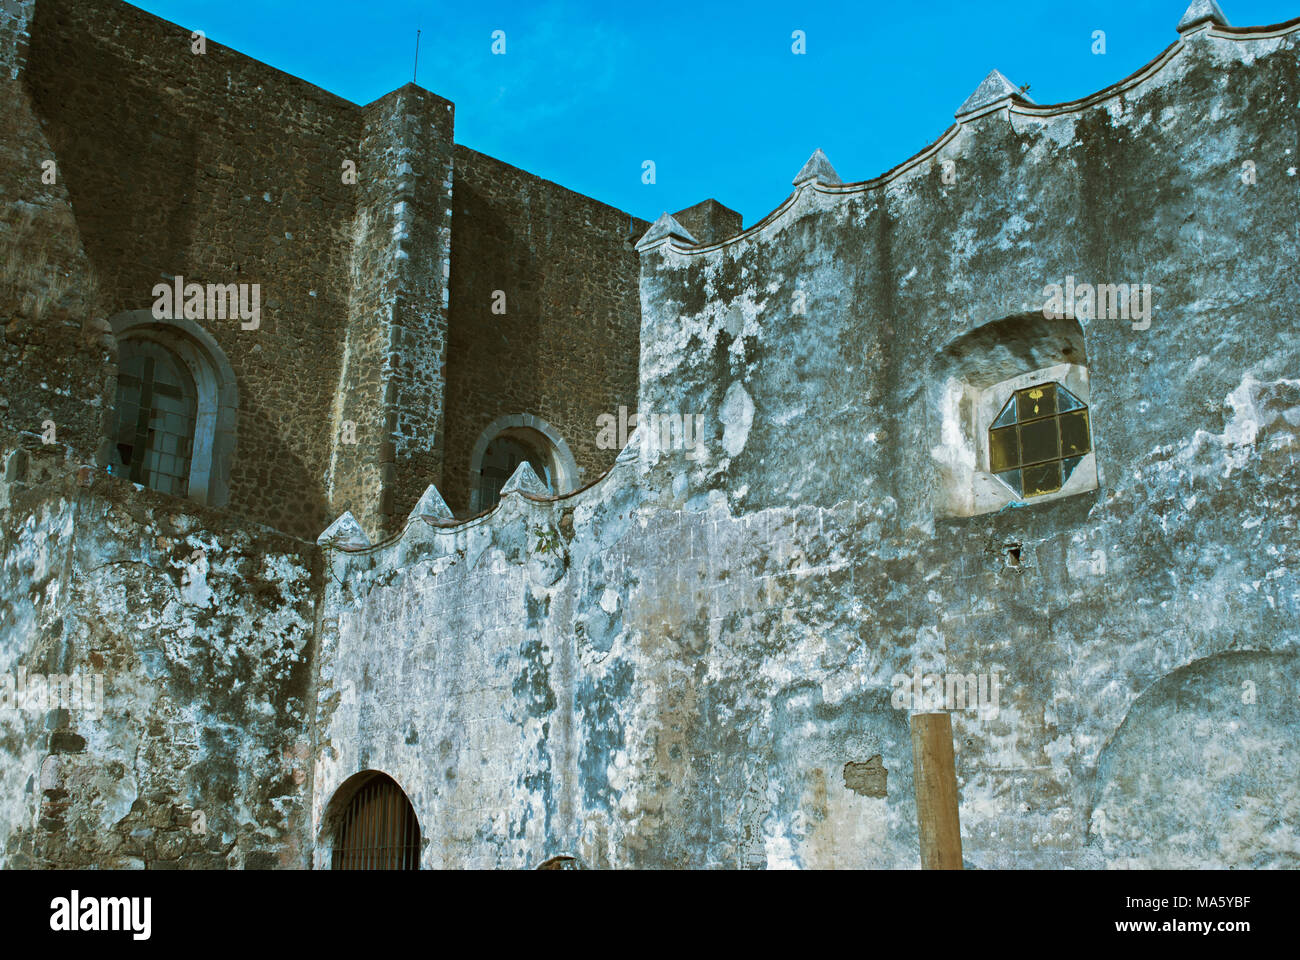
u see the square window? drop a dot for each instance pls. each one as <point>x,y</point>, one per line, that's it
<point>1039,441</point>
<point>1004,449</point>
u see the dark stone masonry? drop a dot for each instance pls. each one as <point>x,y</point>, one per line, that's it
<point>1010,432</point>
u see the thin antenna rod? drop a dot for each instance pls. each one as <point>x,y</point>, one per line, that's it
<point>416,71</point>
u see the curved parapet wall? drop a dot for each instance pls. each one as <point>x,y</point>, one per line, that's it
<point>709,657</point>
<point>827,315</point>
<point>1008,104</point>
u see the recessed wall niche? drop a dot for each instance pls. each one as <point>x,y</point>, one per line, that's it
<point>994,442</point>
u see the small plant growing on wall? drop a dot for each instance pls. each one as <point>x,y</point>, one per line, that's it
<point>548,541</point>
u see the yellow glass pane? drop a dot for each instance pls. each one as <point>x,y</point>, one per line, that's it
<point>1004,449</point>
<point>1075,435</point>
<point>1034,402</point>
<point>1039,441</point>
<point>1041,479</point>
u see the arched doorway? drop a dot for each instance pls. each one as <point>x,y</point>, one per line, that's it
<point>376,829</point>
<point>502,457</point>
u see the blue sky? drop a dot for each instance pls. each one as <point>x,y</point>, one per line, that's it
<point>711,92</point>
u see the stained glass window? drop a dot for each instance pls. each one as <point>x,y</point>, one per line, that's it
<point>1038,438</point>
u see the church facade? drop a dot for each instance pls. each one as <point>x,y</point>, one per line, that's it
<point>369,502</point>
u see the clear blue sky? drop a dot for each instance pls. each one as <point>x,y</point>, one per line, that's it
<point>711,92</point>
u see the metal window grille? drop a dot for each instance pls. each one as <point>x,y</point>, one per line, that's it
<point>378,830</point>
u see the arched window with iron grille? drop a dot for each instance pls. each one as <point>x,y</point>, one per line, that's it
<point>377,828</point>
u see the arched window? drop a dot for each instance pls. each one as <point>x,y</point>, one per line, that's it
<point>502,457</point>
<point>508,442</point>
<point>176,408</point>
<point>153,433</point>
<point>377,829</point>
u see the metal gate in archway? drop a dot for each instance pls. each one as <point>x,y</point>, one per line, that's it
<point>377,830</point>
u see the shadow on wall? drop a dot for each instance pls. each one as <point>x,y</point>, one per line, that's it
<point>1202,772</point>
<point>130,191</point>
<point>132,159</point>
<point>492,358</point>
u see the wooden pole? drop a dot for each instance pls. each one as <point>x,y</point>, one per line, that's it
<point>935,777</point>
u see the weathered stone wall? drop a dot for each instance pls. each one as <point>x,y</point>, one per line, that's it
<point>695,662</point>
<point>1185,554</point>
<point>566,348</point>
<point>394,365</point>
<point>616,678</point>
<point>219,169</point>
<point>200,630</point>
<point>54,356</point>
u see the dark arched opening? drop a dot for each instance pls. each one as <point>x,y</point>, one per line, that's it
<point>377,828</point>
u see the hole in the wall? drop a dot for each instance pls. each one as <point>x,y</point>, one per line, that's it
<point>867,779</point>
<point>1012,553</point>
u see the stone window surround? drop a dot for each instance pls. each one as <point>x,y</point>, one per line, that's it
<point>566,467</point>
<point>217,411</point>
<point>976,490</point>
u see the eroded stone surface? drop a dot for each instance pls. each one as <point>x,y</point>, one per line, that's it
<point>709,660</point>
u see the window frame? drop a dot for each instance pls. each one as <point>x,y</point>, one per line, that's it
<point>541,436</point>
<point>990,491</point>
<point>217,408</point>
<point>1021,421</point>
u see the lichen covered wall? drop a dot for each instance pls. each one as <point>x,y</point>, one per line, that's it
<point>697,662</point>
<point>706,658</point>
<point>198,631</point>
